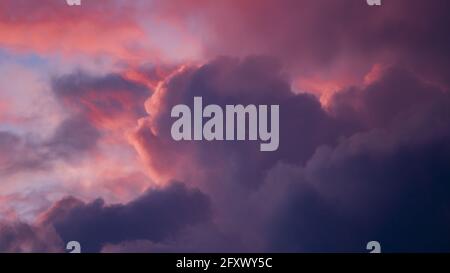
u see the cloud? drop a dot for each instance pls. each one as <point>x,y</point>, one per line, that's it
<point>225,80</point>
<point>22,237</point>
<point>397,94</point>
<point>73,137</point>
<point>232,171</point>
<point>107,101</point>
<point>157,215</point>
<point>346,198</point>
<point>387,183</point>
<point>365,160</point>
<point>370,167</point>
<point>201,238</point>
<point>381,178</point>
<point>19,154</point>
<point>52,28</point>
<point>92,113</point>
<point>325,45</point>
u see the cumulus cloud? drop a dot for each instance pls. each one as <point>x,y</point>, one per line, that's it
<point>232,170</point>
<point>157,215</point>
<point>370,167</point>
<point>225,80</point>
<point>348,196</point>
<point>388,183</point>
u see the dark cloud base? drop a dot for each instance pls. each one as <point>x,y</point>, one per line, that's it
<point>157,215</point>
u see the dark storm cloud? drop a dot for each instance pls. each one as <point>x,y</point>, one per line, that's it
<point>157,215</point>
<point>398,95</point>
<point>400,200</point>
<point>389,183</point>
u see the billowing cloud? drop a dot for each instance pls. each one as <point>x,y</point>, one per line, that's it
<point>252,80</point>
<point>394,116</point>
<point>232,170</point>
<point>395,97</point>
<point>157,215</point>
<point>386,184</point>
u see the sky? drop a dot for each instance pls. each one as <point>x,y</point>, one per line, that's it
<point>86,152</point>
